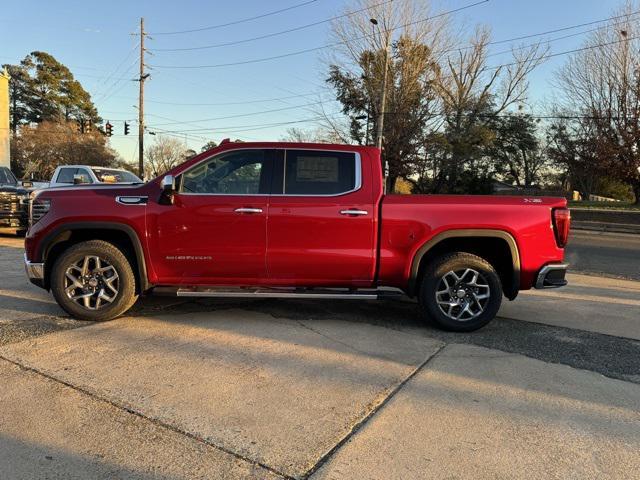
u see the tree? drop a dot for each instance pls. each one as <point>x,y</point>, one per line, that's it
<point>473,94</point>
<point>573,145</point>
<point>208,146</point>
<point>601,84</point>
<point>38,149</point>
<point>441,100</point>
<point>317,135</point>
<point>516,150</point>
<point>164,154</point>
<point>42,89</point>
<point>357,77</point>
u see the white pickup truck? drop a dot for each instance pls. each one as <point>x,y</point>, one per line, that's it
<point>67,175</point>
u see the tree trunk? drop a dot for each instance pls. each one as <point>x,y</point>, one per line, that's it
<point>636,191</point>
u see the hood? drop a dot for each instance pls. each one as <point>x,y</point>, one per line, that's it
<point>17,189</point>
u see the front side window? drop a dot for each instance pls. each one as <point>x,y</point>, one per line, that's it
<point>234,173</point>
<point>311,172</point>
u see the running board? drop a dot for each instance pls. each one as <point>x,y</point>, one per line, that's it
<point>327,293</point>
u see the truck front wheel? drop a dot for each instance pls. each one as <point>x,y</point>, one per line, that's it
<point>460,292</point>
<point>93,280</point>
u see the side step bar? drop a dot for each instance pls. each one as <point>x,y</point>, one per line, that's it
<point>326,293</point>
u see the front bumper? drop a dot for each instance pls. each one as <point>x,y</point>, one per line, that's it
<point>13,221</point>
<point>552,276</point>
<point>35,271</point>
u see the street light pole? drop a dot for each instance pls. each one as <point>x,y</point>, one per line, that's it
<point>383,97</point>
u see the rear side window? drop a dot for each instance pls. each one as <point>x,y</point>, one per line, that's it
<point>314,172</point>
<point>66,175</point>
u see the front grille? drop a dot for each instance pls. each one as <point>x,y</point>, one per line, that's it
<point>38,209</point>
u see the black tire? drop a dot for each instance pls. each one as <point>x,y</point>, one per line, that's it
<point>122,301</point>
<point>486,308</point>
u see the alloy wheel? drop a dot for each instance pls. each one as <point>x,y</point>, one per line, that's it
<point>463,295</point>
<point>92,282</point>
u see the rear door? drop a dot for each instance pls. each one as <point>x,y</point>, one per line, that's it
<point>320,229</point>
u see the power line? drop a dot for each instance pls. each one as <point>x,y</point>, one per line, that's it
<point>323,47</point>
<point>245,102</point>
<point>522,47</point>
<point>274,34</point>
<point>250,127</point>
<point>497,67</point>
<point>236,22</point>
<point>274,110</point>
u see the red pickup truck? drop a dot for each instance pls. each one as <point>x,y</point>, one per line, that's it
<point>291,220</point>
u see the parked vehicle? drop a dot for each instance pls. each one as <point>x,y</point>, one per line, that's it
<point>67,175</point>
<point>291,220</point>
<point>14,203</point>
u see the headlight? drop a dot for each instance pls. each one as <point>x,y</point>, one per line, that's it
<point>38,209</point>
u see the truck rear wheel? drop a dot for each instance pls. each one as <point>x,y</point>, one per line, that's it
<point>460,292</point>
<point>93,280</point>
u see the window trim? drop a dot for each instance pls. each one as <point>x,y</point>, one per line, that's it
<point>358,174</point>
<point>206,159</point>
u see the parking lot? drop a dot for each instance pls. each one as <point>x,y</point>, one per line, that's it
<point>299,389</point>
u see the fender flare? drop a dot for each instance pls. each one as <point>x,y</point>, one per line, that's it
<point>512,291</point>
<point>57,234</point>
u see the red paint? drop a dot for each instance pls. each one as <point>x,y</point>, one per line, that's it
<point>298,240</point>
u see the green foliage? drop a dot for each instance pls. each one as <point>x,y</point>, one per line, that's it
<point>208,146</point>
<point>42,89</point>
<point>408,105</point>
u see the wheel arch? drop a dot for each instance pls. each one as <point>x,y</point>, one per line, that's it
<point>493,245</point>
<point>121,235</point>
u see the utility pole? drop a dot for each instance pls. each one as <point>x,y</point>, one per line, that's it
<point>143,77</point>
<point>383,96</point>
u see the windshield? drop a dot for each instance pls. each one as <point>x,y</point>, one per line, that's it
<point>106,175</point>
<point>6,177</point>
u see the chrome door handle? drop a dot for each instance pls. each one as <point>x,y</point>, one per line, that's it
<point>353,212</point>
<point>248,210</point>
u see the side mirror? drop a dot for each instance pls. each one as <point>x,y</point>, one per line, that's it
<point>27,183</point>
<point>168,185</point>
<point>78,179</point>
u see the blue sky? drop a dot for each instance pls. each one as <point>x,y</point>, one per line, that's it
<point>94,39</point>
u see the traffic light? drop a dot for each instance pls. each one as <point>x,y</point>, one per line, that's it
<point>108,128</point>
<point>126,128</point>
<point>80,125</point>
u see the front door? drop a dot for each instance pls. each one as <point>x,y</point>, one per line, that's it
<point>215,232</point>
<point>321,220</point>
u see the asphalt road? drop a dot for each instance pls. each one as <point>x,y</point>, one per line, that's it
<point>611,254</point>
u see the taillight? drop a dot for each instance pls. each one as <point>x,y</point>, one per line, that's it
<point>561,225</point>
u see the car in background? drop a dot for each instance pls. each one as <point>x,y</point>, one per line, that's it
<point>14,203</point>
<point>67,175</point>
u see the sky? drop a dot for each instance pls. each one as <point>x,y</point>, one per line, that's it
<point>195,105</point>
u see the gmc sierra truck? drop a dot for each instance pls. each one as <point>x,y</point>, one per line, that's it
<point>291,220</point>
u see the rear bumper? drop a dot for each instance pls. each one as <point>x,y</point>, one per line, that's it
<point>552,276</point>
<point>35,272</point>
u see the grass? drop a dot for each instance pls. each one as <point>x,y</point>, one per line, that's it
<point>606,206</point>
